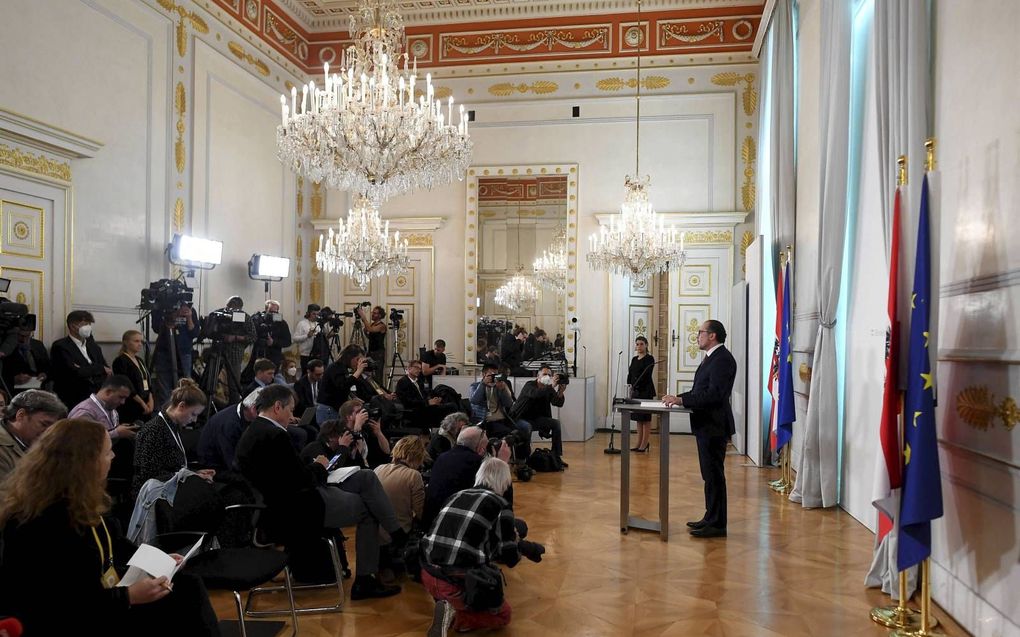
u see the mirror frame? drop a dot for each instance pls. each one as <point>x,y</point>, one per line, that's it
<point>471,229</point>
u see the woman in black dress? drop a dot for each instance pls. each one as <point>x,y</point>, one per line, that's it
<point>639,377</point>
<point>139,406</point>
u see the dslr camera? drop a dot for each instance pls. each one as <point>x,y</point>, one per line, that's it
<point>330,319</point>
<point>369,367</point>
<point>165,295</point>
<point>561,379</point>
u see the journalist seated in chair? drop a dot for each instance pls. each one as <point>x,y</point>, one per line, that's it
<point>25,417</point>
<point>307,387</point>
<point>129,363</point>
<point>265,374</point>
<point>475,528</point>
<point>424,410</point>
<point>28,364</point>
<point>433,362</point>
<point>454,470</point>
<point>355,437</point>
<point>53,524</point>
<point>535,404</point>
<point>446,437</point>
<point>217,443</point>
<point>349,376</point>
<point>159,449</point>
<point>492,399</point>
<point>299,499</point>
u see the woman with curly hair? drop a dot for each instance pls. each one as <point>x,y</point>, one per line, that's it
<point>61,560</point>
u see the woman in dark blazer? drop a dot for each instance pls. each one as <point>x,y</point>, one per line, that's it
<point>159,448</point>
<point>61,560</point>
<point>639,377</point>
<point>140,404</point>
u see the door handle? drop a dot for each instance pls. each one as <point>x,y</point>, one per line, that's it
<point>673,339</point>
<point>655,338</point>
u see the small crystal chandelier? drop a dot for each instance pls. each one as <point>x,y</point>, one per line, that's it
<point>517,293</point>
<point>362,249</point>
<point>373,129</point>
<point>551,267</point>
<point>637,244</point>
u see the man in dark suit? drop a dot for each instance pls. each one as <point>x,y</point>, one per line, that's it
<point>28,361</point>
<point>217,444</point>
<point>426,410</point>
<point>712,423</point>
<point>307,387</point>
<point>77,364</point>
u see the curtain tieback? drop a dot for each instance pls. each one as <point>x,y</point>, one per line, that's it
<point>828,324</point>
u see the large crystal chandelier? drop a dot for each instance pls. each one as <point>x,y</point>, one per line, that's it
<point>636,244</point>
<point>373,129</point>
<point>517,293</point>
<point>551,268</point>
<point>362,249</point>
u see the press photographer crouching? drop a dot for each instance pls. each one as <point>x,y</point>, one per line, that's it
<point>475,529</point>
<point>350,377</point>
<point>535,406</point>
<point>492,401</point>
<point>355,439</point>
<point>454,470</point>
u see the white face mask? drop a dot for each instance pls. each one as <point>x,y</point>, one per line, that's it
<point>545,380</point>
<point>85,331</point>
<point>292,371</point>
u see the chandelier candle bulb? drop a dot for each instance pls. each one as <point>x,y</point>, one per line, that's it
<point>283,110</point>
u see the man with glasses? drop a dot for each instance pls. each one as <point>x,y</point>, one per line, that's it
<point>426,410</point>
<point>712,423</point>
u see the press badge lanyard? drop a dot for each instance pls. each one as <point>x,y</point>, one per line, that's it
<point>176,437</point>
<point>108,576</point>
<point>109,418</point>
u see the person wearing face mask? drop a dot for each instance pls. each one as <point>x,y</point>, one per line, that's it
<point>78,365</point>
<point>159,449</point>
<point>28,364</point>
<point>24,419</point>
<point>535,403</point>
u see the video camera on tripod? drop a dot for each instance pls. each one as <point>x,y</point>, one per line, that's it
<point>165,295</point>
<point>396,317</point>
<point>222,323</point>
<point>329,320</point>
<point>14,317</point>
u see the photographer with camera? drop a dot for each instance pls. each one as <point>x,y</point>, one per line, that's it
<point>310,339</point>
<point>535,406</point>
<point>237,337</point>
<point>272,333</point>
<point>29,363</point>
<point>180,327</point>
<point>434,362</point>
<point>349,376</point>
<point>375,332</point>
<point>455,470</point>
<point>492,401</point>
<point>511,350</point>
<point>78,364</point>
<point>356,440</point>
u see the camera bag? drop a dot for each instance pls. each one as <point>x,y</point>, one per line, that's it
<point>483,588</point>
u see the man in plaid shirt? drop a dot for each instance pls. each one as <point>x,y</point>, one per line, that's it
<point>475,527</point>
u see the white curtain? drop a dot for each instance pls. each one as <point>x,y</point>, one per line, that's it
<point>903,102</point>
<point>777,72</point>
<point>817,482</point>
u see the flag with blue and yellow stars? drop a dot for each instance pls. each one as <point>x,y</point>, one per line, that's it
<point>921,498</point>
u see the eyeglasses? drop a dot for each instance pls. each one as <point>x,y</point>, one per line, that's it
<point>704,332</point>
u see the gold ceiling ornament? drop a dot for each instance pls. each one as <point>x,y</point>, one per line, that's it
<point>179,215</point>
<point>750,95</point>
<point>679,32</point>
<point>548,38</point>
<point>244,56</point>
<point>975,405</point>
<point>180,106</point>
<point>38,164</point>
<point>542,87</point>
<point>186,17</point>
<point>651,82</point>
<point>749,155</point>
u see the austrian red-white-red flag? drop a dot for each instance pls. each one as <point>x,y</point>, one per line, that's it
<point>774,369</point>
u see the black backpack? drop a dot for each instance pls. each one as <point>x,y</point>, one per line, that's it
<point>545,461</point>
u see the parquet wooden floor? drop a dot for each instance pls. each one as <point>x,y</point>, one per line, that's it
<point>783,570</point>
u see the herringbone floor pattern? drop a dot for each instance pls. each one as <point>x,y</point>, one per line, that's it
<point>783,570</point>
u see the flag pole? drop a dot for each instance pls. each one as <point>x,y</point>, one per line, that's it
<point>926,622</point>
<point>785,482</point>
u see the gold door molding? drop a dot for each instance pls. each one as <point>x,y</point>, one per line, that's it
<point>23,229</point>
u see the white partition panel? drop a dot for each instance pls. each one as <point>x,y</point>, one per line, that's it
<point>755,423</point>
<point>737,342</point>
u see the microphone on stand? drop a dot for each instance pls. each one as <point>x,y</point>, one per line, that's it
<point>611,449</point>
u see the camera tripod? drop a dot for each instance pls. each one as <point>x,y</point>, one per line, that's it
<point>216,363</point>
<point>393,359</point>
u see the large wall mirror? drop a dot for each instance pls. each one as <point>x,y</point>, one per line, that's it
<point>517,215</point>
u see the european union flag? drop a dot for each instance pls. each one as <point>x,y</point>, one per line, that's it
<point>921,498</point>
<point>787,413</point>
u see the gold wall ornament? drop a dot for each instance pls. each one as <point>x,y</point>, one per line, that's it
<point>650,82</point>
<point>542,87</point>
<point>679,32</point>
<point>419,239</point>
<point>186,17</point>
<point>300,204</point>
<point>975,405</point>
<point>244,56</point>
<point>38,164</point>
<point>708,236</point>
<point>750,95</point>
<point>179,215</point>
<point>805,373</point>
<point>749,155</point>
<point>523,42</point>
<point>181,107</point>
<point>745,242</point>
<point>692,338</point>
<point>300,247</point>
<point>316,201</point>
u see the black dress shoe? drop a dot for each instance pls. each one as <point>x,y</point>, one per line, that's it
<point>708,531</point>
<point>369,586</point>
<point>696,524</point>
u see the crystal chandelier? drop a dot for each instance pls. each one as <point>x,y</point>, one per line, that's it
<point>373,129</point>
<point>362,249</point>
<point>517,293</point>
<point>551,267</point>
<point>637,244</point>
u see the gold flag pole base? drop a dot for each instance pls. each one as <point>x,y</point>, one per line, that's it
<point>901,618</point>
<point>783,485</point>
<point>918,623</point>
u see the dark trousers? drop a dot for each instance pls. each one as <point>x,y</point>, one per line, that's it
<point>711,457</point>
<point>185,611</point>
<point>360,500</point>
<point>550,424</point>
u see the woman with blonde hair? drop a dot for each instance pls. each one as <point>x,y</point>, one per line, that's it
<point>159,448</point>
<point>402,480</point>
<point>140,404</point>
<point>60,561</point>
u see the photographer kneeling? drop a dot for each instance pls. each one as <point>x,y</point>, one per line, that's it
<point>535,406</point>
<point>475,528</point>
<point>353,440</point>
<point>492,400</point>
